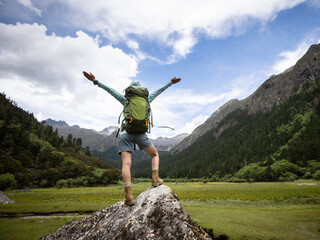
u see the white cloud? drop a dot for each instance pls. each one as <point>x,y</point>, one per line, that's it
<point>176,24</point>
<point>28,4</point>
<point>289,58</point>
<point>190,126</point>
<point>44,74</point>
<point>56,62</point>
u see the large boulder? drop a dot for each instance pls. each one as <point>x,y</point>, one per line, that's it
<point>157,214</point>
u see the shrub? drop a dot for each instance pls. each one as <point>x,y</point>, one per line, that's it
<point>307,175</point>
<point>289,176</point>
<point>313,166</point>
<point>62,183</point>
<point>316,175</point>
<point>226,177</point>
<point>253,172</point>
<point>280,170</point>
<point>7,181</point>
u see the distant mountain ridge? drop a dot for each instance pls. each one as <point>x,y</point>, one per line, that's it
<point>91,138</point>
<point>106,139</point>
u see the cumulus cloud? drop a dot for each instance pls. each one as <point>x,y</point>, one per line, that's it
<point>287,59</point>
<point>195,122</point>
<point>56,62</point>
<point>176,24</point>
<point>44,74</point>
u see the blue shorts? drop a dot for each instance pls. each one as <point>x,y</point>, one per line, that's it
<point>127,140</point>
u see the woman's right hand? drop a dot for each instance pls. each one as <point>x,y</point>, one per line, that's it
<point>90,76</point>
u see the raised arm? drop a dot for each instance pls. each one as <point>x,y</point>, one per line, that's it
<point>156,93</point>
<point>110,90</point>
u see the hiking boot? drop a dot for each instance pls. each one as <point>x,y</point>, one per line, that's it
<point>128,196</point>
<point>156,181</point>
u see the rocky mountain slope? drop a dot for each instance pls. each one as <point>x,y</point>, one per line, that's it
<point>272,135</point>
<point>277,89</point>
<point>209,124</point>
<point>157,214</point>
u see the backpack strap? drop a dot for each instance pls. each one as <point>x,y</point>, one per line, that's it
<point>117,135</point>
<point>120,116</point>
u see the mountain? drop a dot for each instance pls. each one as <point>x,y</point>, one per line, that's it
<point>56,124</point>
<point>103,144</point>
<point>166,144</point>
<point>277,89</point>
<point>272,134</point>
<point>32,154</point>
<point>106,139</point>
<point>108,130</point>
<point>209,124</point>
<point>91,138</point>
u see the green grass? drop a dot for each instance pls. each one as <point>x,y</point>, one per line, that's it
<point>52,200</point>
<point>247,191</point>
<point>26,229</point>
<point>254,222</point>
<point>239,210</point>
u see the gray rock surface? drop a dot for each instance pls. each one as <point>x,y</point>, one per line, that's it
<point>157,214</point>
<point>4,199</point>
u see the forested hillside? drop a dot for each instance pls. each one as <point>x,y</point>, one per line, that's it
<point>289,135</point>
<point>33,155</point>
<point>272,135</point>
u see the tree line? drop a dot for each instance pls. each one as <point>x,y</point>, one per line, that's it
<point>282,144</point>
<point>32,154</point>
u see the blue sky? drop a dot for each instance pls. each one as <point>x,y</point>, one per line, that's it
<point>221,50</point>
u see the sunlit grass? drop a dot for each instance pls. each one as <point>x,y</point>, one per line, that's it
<point>253,222</point>
<point>240,210</point>
<point>27,229</point>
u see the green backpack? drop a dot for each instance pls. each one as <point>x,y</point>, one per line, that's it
<point>136,110</point>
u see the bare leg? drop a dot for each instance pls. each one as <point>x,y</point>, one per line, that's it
<point>126,165</point>
<point>126,178</point>
<point>152,151</point>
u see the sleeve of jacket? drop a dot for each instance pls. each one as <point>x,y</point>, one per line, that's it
<point>113,92</point>
<point>156,93</point>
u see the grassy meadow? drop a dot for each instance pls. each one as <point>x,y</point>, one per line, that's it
<point>287,210</point>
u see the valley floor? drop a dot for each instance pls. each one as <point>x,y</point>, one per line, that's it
<point>289,210</point>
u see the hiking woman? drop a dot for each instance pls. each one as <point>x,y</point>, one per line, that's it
<point>127,140</point>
